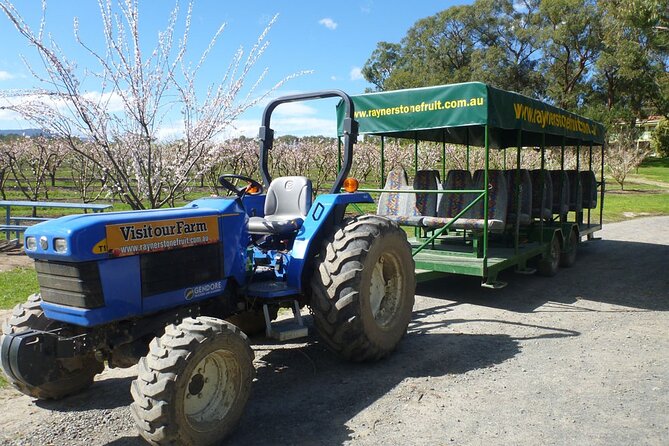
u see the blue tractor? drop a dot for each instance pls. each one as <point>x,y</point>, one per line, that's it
<point>174,289</point>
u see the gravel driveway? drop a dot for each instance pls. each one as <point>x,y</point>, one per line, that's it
<point>581,358</point>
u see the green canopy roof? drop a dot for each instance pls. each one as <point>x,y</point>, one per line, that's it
<point>458,114</point>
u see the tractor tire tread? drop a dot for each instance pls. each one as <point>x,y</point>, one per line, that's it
<point>153,389</point>
<point>334,304</point>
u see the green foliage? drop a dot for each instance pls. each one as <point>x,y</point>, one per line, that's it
<point>660,140</point>
<point>16,285</point>
<point>605,59</point>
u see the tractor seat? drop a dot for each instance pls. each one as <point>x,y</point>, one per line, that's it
<point>287,203</point>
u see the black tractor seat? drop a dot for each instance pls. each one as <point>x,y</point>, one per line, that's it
<point>286,205</point>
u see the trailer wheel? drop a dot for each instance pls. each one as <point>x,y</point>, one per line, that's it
<point>193,385</point>
<point>568,257</point>
<point>363,288</point>
<point>548,266</point>
<point>73,375</point>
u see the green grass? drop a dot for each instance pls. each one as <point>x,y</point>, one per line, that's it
<point>16,285</point>
<point>656,169</point>
<point>620,206</point>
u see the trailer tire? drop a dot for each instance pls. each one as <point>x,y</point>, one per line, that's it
<point>548,266</point>
<point>363,288</point>
<point>74,374</point>
<point>568,257</point>
<point>193,385</point>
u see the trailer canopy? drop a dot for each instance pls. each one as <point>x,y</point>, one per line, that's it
<point>459,113</point>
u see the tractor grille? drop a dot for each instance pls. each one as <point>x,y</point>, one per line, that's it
<point>180,268</point>
<point>71,284</point>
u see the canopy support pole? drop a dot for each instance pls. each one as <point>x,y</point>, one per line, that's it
<point>443,157</point>
<point>516,238</point>
<point>541,186</point>
<point>467,142</point>
<point>601,191</point>
<point>590,169</point>
<point>485,204</point>
<point>383,162</point>
<point>415,154</point>
<point>563,216</point>
<point>579,187</point>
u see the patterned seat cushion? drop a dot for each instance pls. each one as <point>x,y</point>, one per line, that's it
<point>521,179</point>
<point>542,194</point>
<point>426,203</point>
<point>497,204</point>
<point>560,182</point>
<point>453,202</point>
<point>589,185</point>
<point>575,191</point>
<point>389,202</point>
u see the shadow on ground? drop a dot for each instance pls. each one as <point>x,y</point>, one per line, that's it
<point>291,378</point>
<point>628,274</point>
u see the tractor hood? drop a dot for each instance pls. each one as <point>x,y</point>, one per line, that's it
<point>84,237</point>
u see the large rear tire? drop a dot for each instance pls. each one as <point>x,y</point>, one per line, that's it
<point>363,288</point>
<point>193,385</point>
<point>72,375</point>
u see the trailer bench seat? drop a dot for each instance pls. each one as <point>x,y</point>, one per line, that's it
<point>560,181</point>
<point>542,194</point>
<point>520,207</point>
<point>454,203</point>
<point>589,189</point>
<point>406,208</point>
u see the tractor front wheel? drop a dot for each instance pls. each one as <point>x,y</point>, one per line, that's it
<point>71,375</point>
<point>363,288</point>
<point>193,385</point>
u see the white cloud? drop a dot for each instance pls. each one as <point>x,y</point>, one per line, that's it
<point>356,74</point>
<point>111,101</point>
<point>333,78</point>
<point>295,109</point>
<point>366,7</point>
<point>6,75</point>
<point>296,126</point>
<point>170,132</point>
<point>328,23</point>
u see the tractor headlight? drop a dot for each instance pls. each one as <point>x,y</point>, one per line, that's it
<point>31,243</point>
<point>60,245</point>
<point>43,243</point>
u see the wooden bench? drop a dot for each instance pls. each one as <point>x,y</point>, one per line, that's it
<point>12,223</point>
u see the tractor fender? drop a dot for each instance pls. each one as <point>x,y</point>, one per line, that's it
<point>316,226</point>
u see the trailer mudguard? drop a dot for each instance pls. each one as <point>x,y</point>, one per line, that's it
<point>316,226</point>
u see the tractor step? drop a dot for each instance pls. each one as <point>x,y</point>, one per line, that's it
<point>269,289</point>
<point>285,329</point>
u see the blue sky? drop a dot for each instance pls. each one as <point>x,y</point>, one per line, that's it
<point>331,39</point>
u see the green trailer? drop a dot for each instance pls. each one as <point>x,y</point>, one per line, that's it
<point>497,218</point>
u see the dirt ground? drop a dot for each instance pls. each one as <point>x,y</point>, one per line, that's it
<point>578,359</point>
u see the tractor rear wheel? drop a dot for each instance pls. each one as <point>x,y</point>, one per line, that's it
<point>548,266</point>
<point>73,374</point>
<point>193,385</point>
<point>363,288</point>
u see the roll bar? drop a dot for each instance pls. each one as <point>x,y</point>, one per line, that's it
<point>266,134</point>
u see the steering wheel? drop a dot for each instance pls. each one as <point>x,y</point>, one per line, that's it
<point>253,188</point>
